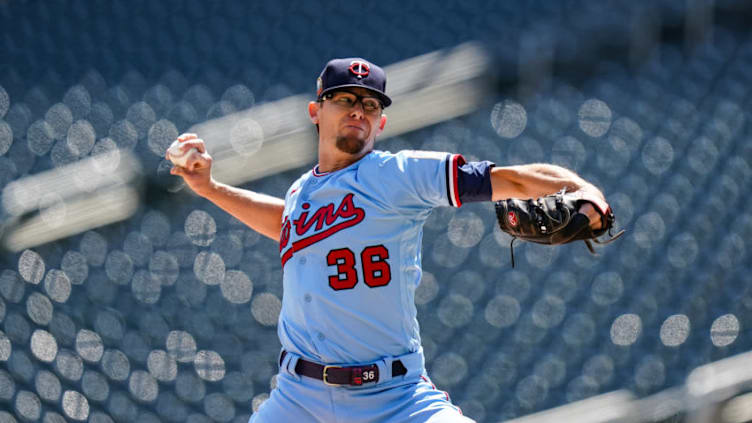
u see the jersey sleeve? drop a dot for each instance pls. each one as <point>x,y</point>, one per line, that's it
<point>426,179</point>
<point>421,179</point>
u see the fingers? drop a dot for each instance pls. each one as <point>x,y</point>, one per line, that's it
<point>592,214</point>
<point>197,143</point>
<point>593,196</point>
<point>189,140</point>
<point>195,163</point>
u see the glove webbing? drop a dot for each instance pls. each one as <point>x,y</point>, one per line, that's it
<point>585,228</point>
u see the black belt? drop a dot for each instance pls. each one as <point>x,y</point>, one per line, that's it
<point>337,375</point>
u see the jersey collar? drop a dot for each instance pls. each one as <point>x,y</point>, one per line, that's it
<point>317,173</point>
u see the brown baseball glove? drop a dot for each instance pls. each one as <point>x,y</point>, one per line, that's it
<point>554,219</point>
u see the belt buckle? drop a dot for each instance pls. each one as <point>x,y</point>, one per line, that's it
<point>324,378</point>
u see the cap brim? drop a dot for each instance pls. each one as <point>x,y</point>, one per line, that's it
<point>383,97</point>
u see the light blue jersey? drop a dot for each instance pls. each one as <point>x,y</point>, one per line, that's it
<point>351,255</point>
<point>351,251</point>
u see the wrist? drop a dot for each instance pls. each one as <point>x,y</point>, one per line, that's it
<point>208,190</point>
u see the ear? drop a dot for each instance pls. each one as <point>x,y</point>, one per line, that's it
<point>313,111</point>
<point>382,124</point>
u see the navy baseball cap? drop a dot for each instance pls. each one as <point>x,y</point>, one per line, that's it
<point>353,72</point>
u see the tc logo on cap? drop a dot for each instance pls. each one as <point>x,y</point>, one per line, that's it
<point>359,69</point>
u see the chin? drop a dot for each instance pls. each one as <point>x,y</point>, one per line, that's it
<point>350,145</point>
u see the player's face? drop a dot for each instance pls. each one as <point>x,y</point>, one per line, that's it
<point>350,118</point>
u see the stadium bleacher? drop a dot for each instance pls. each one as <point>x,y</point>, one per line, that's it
<point>170,315</point>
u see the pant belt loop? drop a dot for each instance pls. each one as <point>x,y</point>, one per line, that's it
<point>289,360</point>
<point>414,363</point>
<point>385,370</point>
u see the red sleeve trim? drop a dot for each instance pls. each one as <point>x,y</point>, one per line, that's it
<point>454,161</point>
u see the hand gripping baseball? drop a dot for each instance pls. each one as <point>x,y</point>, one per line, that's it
<point>554,219</point>
<point>192,162</point>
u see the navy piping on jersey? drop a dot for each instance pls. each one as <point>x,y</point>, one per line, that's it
<point>316,172</point>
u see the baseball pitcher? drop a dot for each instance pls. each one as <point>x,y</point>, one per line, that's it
<point>349,233</point>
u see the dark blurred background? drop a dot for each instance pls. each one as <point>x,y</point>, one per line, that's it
<point>123,297</point>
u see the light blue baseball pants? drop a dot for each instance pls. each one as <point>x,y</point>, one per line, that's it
<point>410,398</point>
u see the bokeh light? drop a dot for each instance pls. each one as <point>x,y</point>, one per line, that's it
<point>236,287</point>
<point>607,288</point>
<point>5,347</point>
<point>209,365</point>
<point>675,330</point>
<point>551,369</point>
<point>89,345</point>
<point>209,268</point>
<point>594,117</point>
<point>508,119</point>
<point>115,365</point>
<point>568,152</point>
<point>725,330</point>
<point>200,228</point>
<point>265,308</point>
<point>6,137</point>
<point>60,118</point>
<point>626,329</point>
<point>161,134</point>
<point>502,311</point>
<point>427,290</point>
<point>75,405</point>
<point>4,102</point>
<point>549,312</point>
<point>43,345</point>
<point>162,366</point>
<point>69,365</point>
<point>531,391</point>
<point>650,373</point>
<point>246,137</point>
<point>57,285</point>
<point>48,386</point>
<point>578,330</point>
<point>80,138</point>
<point>143,386</point>
<point>657,155</point>
<point>31,267</point>
<point>599,368</point>
<point>39,308</point>
<point>455,311</point>
<point>28,406</point>
<point>181,346</point>
<point>465,229</point>
<point>449,369</point>
<point>580,388</point>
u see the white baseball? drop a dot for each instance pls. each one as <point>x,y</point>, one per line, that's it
<point>178,156</point>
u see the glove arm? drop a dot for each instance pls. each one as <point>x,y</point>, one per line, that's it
<point>536,180</point>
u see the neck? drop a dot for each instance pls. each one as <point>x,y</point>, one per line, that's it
<point>331,159</point>
<point>329,163</point>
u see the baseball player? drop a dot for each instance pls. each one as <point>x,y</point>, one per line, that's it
<point>349,233</point>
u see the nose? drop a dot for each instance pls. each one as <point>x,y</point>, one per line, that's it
<point>357,110</point>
